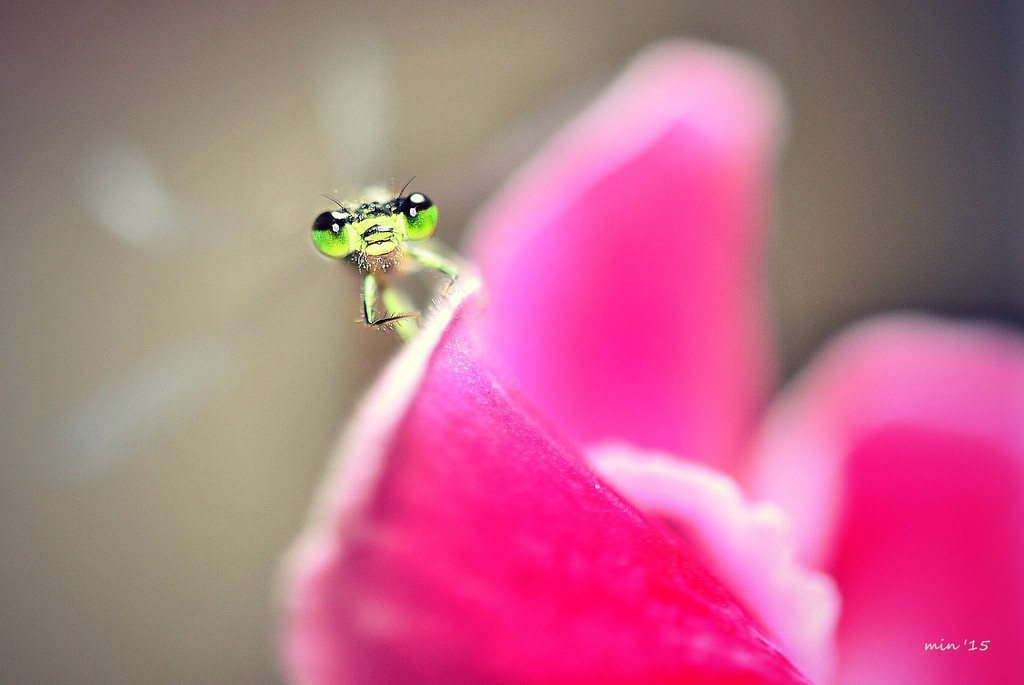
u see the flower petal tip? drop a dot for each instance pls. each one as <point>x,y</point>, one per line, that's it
<point>623,262</point>
<point>682,67</point>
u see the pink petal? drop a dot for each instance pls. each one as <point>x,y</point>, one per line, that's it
<point>466,542</point>
<point>624,262</point>
<point>901,456</point>
<point>749,546</point>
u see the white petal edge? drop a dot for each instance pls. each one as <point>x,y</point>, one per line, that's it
<point>751,547</point>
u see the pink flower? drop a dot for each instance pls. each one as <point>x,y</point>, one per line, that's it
<point>572,476</point>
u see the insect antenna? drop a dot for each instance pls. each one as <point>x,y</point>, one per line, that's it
<point>333,200</point>
<point>400,192</point>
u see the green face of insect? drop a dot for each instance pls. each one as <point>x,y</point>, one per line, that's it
<point>374,229</point>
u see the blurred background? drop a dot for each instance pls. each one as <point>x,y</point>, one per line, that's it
<point>176,360</point>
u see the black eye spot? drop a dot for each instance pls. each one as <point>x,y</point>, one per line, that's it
<point>330,221</point>
<point>411,205</point>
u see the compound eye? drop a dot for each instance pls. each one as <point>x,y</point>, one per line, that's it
<point>330,234</point>
<point>420,215</point>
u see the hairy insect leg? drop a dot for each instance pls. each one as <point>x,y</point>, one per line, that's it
<point>407,327</point>
<point>390,300</point>
<point>435,261</point>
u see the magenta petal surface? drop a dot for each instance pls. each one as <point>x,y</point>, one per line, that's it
<point>468,543</point>
<point>624,263</point>
<point>900,453</point>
